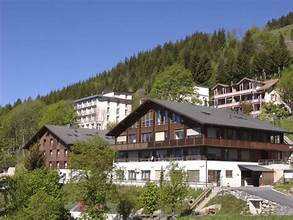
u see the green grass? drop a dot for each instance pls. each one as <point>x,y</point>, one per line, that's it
<point>288,125</point>
<point>283,187</point>
<point>237,217</point>
<point>230,205</point>
<point>194,193</point>
<point>285,31</point>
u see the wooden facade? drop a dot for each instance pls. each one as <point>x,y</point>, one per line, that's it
<point>157,133</point>
<point>55,151</point>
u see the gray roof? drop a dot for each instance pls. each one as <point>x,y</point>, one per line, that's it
<point>254,168</point>
<point>69,135</point>
<point>215,116</point>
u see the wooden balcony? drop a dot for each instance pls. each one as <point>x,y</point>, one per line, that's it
<point>203,141</point>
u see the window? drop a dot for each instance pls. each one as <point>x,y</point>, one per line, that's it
<point>176,118</point>
<point>44,141</point>
<point>58,153</point>
<point>193,175</point>
<point>108,110</point>
<point>145,174</point>
<point>117,118</point>
<point>132,138</point>
<point>108,117</point>
<point>50,164</point>
<point>131,175</point>
<point>44,153</point>
<point>51,142</point>
<point>65,164</point>
<point>147,137</point>
<point>66,152</point>
<point>229,173</point>
<point>58,164</point>
<point>117,111</point>
<point>51,153</point>
<point>99,126</point>
<point>179,134</point>
<point>159,117</point>
<point>165,117</point>
<point>148,119</point>
<point>126,111</point>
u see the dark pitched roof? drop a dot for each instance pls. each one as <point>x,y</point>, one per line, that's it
<point>254,168</point>
<point>206,115</point>
<point>69,135</point>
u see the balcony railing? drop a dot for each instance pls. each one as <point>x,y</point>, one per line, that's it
<point>202,141</point>
<point>181,158</point>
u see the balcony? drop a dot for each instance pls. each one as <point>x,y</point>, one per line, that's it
<point>235,93</point>
<point>202,141</point>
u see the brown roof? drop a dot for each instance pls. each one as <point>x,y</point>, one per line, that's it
<point>268,84</point>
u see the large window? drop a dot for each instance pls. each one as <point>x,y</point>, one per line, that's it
<point>193,175</point>
<point>147,119</point>
<point>147,137</point>
<point>179,134</point>
<point>145,174</point>
<point>229,173</point>
<point>176,118</point>
<point>131,175</point>
<point>132,138</point>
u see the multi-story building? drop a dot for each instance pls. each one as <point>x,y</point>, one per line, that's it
<point>253,91</point>
<point>202,94</point>
<point>97,111</point>
<point>55,142</point>
<point>213,145</point>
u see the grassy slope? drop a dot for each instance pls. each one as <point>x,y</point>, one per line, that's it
<point>286,32</point>
<point>283,187</point>
<point>239,217</point>
<point>230,205</point>
<point>231,209</point>
<point>288,125</point>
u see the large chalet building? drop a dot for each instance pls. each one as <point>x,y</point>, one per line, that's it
<point>55,142</point>
<point>246,90</point>
<point>214,146</point>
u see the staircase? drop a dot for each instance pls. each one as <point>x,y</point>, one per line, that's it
<point>204,198</point>
<point>205,201</point>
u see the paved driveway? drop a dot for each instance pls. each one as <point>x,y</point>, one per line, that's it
<point>269,194</point>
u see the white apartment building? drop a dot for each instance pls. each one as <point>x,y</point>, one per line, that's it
<point>97,111</point>
<point>254,91</point>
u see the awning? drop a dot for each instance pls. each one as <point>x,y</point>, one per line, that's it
<point>255,168</point>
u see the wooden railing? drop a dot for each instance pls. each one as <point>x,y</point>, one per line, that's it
<point>203,141</point>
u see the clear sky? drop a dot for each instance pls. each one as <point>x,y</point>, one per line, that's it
<point>48,44</point>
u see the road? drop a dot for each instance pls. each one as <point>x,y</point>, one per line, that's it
<point>269,194</point>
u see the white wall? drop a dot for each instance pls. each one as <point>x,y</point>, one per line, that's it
<point>100,108</point>
<point>200,165</point>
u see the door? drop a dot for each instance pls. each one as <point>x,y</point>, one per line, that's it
<point>214,176</point>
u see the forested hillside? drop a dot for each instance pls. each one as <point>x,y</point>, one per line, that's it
<point>211,58</point>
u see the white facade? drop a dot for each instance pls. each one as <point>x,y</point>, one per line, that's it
<point>229,171</point>
<point>98,110</point>
<point>253,91</point>
<point>202,94</point>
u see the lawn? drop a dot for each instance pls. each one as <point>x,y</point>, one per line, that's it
<point>288,125</point>
<point>231,209</point>
<point>237,217</point>
<point>283,187</point>
<point>230,205</point>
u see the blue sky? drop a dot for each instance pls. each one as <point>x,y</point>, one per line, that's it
<point>48,44</point>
